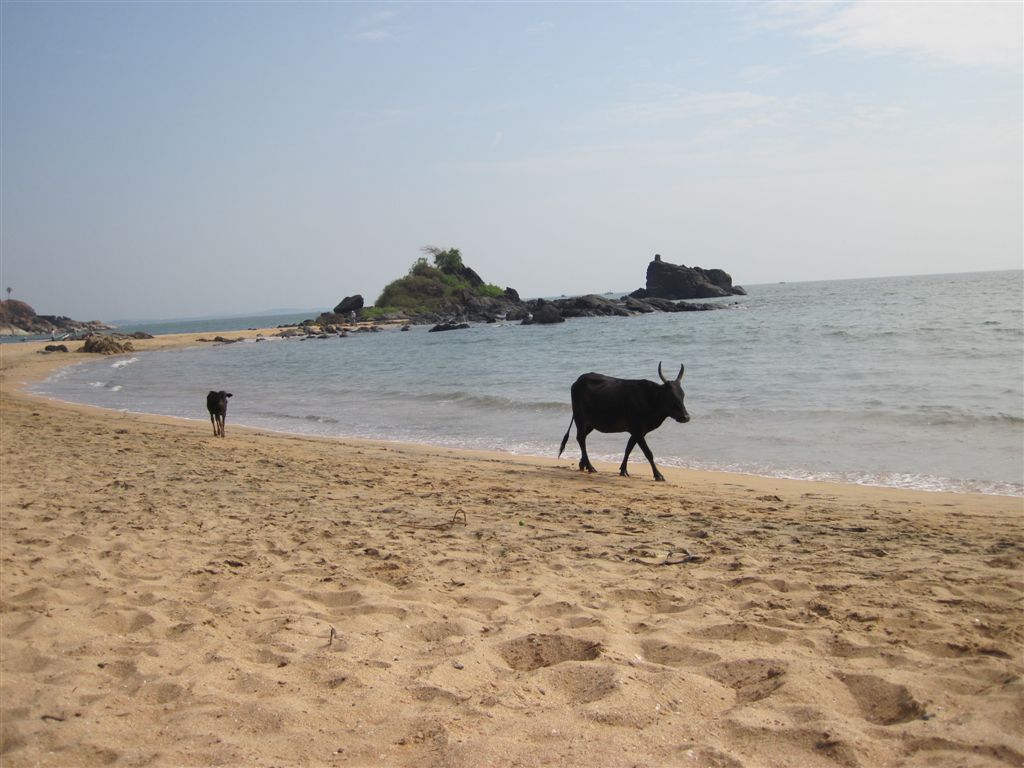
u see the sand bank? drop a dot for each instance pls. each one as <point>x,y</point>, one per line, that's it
<point>170,599</point>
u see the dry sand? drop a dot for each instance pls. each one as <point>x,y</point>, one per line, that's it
<point>172,599</point>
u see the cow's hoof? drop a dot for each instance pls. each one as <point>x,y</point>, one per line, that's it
<point>659,478</point>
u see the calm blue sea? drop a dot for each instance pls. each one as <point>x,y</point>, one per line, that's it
<point>214,324</point>
<point>913,382</point>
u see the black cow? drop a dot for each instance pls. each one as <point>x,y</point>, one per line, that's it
<point>217,405</point>
<point>636,406</point>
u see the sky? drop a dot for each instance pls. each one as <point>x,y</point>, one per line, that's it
<point>178,159</point>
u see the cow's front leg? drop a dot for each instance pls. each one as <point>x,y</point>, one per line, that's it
<point>623,471</point>
<point>650,457</point>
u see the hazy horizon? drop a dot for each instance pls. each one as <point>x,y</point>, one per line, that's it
<point>166,160</point>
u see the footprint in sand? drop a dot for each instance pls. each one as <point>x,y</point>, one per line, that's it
<point>430,694</point>
<point>584,683</point>
<point>346,681</point>
<point>337,599</point>
<point>161,693</point>
<point>569,614</point>
<point>672,655</point>
<point>125,670</point>
<point>882,702</point>
<point>752,679</point>
<point>482,603</point>
<point>553,610</point>
<point>124,622</point>
<point>535,651</point>
<point>267,656</point>
<point>27,659</point>
<point>437,631</point>
<point>744,632</point>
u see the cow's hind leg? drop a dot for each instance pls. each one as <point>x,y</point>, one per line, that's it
<point>625,459</point>
<point>213,420</point>
<point>650,457</point>
<point>581,438</point>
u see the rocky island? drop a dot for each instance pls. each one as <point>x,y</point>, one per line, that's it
<point>19,319</point>
<point>677,281</point>
<point>446,293</point>
<point>450,294</point>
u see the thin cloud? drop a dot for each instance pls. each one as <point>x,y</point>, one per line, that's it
<point>759,73</point>
<point>979,34</point>
<point>375,34</point>
<point>671,105</point>
<point>375,27</point>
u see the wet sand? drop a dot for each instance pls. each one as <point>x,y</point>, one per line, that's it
<point>173,599</point>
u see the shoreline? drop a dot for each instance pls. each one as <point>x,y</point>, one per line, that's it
<point>170,598</point>
<point>609,463</point>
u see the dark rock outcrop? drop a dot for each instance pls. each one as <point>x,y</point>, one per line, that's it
<point>639,306</point>
<point>105,345</point>
<point>518,313</point>
<point>590,305</point>
<point>482,309</point>
<point>544,313</point>
<point>18,318</point>
<point>449,326</point>
<point>349,304</point>
<point>470,276</point>
<point>677,281</point>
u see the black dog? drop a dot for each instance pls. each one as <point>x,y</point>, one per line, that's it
<point>217,405</point>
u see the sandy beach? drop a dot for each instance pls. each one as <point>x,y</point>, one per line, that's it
<point>173,599</point>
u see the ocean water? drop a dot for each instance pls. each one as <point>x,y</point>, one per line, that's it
<point>215,324</point>
<point>913,382</point>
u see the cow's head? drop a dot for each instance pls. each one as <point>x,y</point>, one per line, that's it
<point>675,397</point>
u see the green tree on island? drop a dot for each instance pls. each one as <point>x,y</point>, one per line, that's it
<point>449,262</point>
<point>432,289</point>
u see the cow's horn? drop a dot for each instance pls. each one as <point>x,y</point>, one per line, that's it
<point>678,378</point>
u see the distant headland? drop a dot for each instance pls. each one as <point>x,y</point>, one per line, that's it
<point>19,319</point>
<point>450,294</point>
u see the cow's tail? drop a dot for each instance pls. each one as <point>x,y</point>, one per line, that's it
<point>566,438</point>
